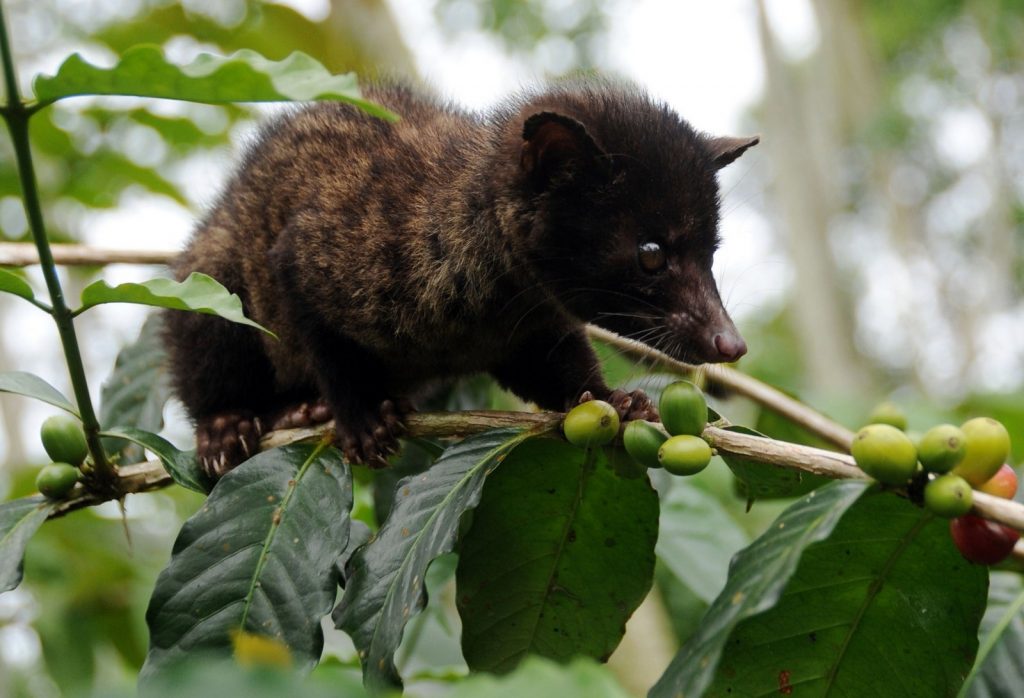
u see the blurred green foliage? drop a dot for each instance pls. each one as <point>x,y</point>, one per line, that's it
<point>899,27</point>
<point>575,29</point>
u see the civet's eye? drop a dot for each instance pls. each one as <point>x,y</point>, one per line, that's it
<point>652,257</point>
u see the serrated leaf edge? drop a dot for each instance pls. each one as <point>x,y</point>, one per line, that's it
<point>194,277</point>
<point>206,64</point>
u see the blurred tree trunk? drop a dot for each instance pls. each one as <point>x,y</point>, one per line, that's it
<point>810,111</point>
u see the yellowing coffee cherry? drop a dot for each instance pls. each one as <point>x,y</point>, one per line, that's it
<point>988,446</point>
<point>885,453</point>
<point>592,423</point>
<point>942,448</point>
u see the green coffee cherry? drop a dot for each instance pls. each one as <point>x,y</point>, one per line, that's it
<point>593,423</point>
<point>948,496</point>
<point>888,413</point>
<point>63,439</point>
<point>56,479</point>
<point>684,454</point>
<point>988,446</point>
<point>683,409</point>
<point>941,448</point>
<point>885,453</point>
<point>642,441</point>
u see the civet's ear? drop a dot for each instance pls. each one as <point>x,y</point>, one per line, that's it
<point>555,144</point>
<point>725,149</point>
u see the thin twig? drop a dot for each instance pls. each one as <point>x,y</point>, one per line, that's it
<point>151,475</point>
<point>23,254</point>
<point>761,393</point>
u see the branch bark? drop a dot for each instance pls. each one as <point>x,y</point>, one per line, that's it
<point>24,254</point>
<point>145,477</point>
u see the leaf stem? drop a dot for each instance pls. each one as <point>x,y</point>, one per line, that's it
<point>41,305</point>
<point>16,115</point>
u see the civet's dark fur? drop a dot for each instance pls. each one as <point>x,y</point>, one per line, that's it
<point>388,255</point>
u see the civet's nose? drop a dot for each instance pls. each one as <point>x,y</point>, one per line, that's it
<point>730,346</point>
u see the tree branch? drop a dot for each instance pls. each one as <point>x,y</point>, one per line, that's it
<point>761,393</point>
<point>145,477</point>
<point>150,475</point>
<point>24,254</point>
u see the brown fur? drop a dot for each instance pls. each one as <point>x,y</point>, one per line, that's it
<point>387,255</point>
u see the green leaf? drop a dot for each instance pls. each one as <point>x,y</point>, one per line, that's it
<point>31,385</point>
<point>136,391</point>
<point>98,180</point>
<point>182,466</point>
<point>1000,661</point>
<point>385,580</point>
<point>198,293</point>
<point>768,481</point>
<point>19,519</point>
<point>12,283</point>
<point>559,555</point>
<point>697,538</point>
<point>541,678</point>
<point>885,606</point>
<point>244,76</point>
<point>757,578</point>
<point>180,133</point>
<point>259,556</point>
